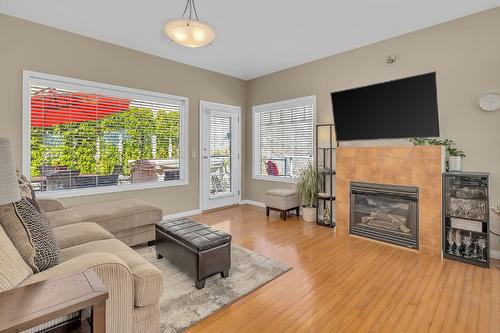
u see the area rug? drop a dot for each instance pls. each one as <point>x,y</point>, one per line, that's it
<point>182,305</point>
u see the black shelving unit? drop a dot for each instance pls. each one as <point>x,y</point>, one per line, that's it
<point>325,148</point>
<point>466,212</point>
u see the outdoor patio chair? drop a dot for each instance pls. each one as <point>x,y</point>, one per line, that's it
<point>60,180</point>
<point>46,170</point>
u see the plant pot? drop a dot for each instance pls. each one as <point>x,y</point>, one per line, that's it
<point>455,163</point>
<point>309,214</point>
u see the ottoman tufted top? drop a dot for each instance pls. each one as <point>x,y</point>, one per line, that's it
<point>193,234</point>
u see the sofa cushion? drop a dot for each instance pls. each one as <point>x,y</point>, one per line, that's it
<point>148,280</point>
<point>13,269</point>
<point>139,235</point>
<point>31,233</point>
<point>113,216</point>
<point>80,233</point>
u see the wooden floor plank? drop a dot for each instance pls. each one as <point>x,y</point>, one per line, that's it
<point>341,283</point>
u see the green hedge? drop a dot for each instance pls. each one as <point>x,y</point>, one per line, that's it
<point>92,146</point>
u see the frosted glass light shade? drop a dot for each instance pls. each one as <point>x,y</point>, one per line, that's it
<point>9,187</point>
<point>189,33</point>
<point>324,137</point>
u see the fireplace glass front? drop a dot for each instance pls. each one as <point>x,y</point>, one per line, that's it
<point>387,213</point>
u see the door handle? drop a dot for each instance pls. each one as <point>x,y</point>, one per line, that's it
<point>205,157</point>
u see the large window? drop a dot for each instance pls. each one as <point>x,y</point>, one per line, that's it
<point>88,136</point>
<point>283,138</point>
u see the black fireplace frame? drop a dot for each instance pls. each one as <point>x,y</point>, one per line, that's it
<point>400,191</point>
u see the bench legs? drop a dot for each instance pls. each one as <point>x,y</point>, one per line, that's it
<point>200,284</point>
<point>283,212</point>
<point>158,256</point>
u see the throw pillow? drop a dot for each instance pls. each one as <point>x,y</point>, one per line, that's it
<point>27,191</point>
<point>32,235</point>
<point>13,269</point>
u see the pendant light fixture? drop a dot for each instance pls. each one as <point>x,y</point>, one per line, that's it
<point>187,31</point>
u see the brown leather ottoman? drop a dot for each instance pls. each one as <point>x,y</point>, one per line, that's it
<point>194,248</point>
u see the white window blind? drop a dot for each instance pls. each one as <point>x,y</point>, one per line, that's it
<point>220,154</point>
<point>86,137</point>
<point>283,137</point>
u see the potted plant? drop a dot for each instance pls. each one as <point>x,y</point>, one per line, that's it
<point>309,185</point>
<point>453,155</point>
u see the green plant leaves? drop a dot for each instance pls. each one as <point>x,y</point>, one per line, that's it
<point>93,146</point>
<point>451,149</point>
<point>309,185</point>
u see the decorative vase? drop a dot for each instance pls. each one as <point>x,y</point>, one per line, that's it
<point>309,214</point>
<point>326,214</point>
<point>455,163</point>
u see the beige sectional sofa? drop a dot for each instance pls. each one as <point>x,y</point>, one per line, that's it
<point>134,285</point>
<point>131,220</point>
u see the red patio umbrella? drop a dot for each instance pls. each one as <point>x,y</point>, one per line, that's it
<point>51,107</point>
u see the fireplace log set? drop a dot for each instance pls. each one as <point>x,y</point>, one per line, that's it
<point>386,221</point>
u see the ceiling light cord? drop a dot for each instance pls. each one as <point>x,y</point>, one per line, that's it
<point>192,9</point>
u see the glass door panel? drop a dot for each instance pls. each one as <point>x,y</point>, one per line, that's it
<point>220,155</point>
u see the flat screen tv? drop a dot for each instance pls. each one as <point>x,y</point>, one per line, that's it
<point>401,108</point>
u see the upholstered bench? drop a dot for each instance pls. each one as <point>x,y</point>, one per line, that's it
<point>282,200</point>
<point>194,248</point>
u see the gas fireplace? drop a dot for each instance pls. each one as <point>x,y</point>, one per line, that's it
<point>386,213</point>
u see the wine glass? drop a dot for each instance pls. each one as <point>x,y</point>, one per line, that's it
<point>467,241</point>
<point>458,242</point>
<point>450,237</point>
<point>481,242</point>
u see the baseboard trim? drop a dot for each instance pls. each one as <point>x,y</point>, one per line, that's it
<point>495,254</point>
<point>182,214</point>
<point>253,203</point>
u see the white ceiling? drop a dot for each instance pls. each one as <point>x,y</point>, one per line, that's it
<point>254,37</point>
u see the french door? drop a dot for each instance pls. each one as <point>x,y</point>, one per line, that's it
<point>220,170</point>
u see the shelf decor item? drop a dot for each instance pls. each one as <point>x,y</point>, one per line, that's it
<point>466,217</point>
<point>326,144</point>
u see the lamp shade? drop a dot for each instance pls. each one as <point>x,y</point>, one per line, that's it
<point>9,187</point>
<point>326,136</point>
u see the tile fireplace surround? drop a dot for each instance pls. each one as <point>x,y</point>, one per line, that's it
<point>417,166</point>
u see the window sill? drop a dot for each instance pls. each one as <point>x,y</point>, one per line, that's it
<point>276,179</point>
<point>107,189</point>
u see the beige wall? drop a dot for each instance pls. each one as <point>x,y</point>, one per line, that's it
<point>30,46</point>
<point>466,56</point>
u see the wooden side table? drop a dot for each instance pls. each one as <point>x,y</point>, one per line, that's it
<point>35,304</point>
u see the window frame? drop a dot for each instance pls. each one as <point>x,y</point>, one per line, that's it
<point>31,77</point>
<point>290,103</point>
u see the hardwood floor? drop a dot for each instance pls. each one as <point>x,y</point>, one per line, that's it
<point>341,283</point>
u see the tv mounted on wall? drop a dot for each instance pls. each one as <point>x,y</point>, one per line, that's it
<point>401,108</point>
